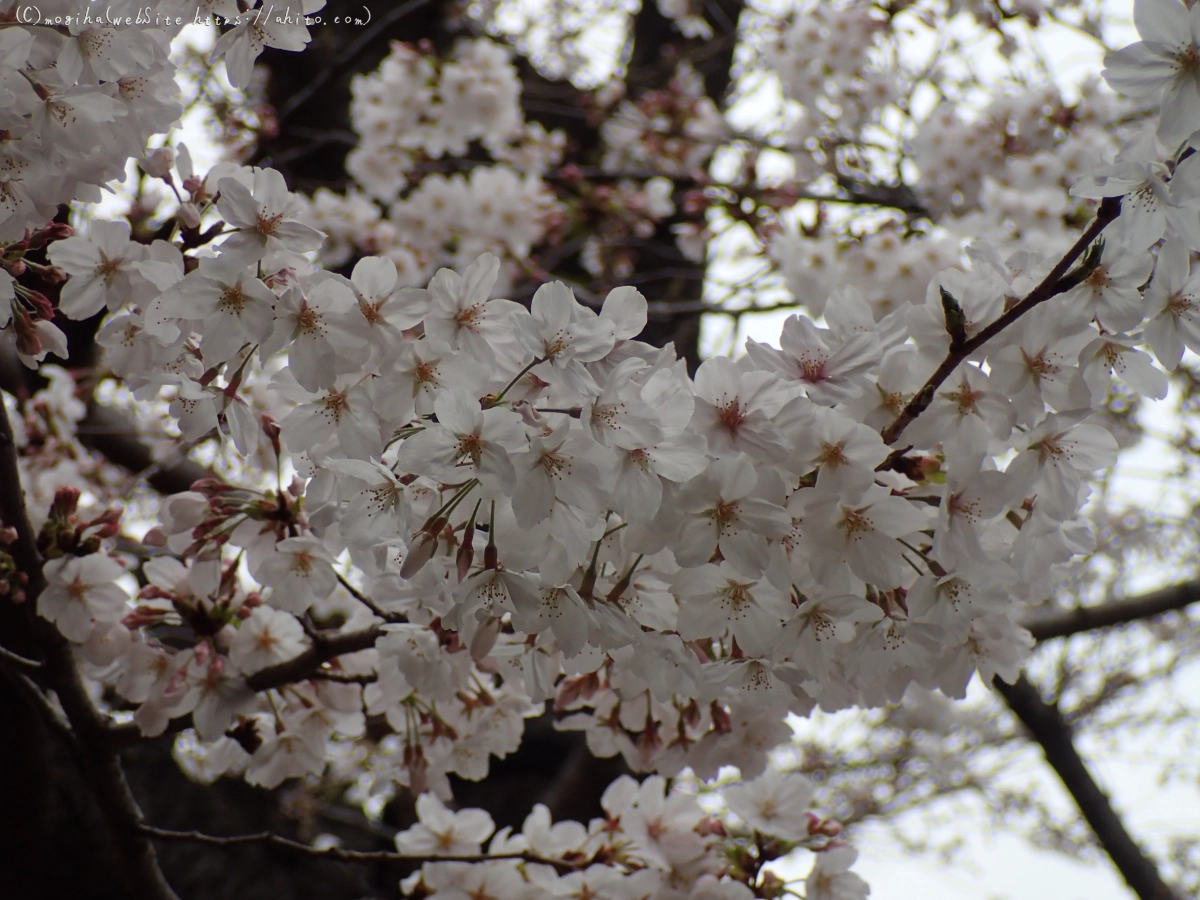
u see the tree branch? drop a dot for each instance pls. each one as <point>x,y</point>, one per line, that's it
<point>348,55</point>
<point>100,761</point>
<point>112,435</point>
<point>1048,624</point>
<point>1053,284</point>
<point>1048,727</point>
<point>390,618</point>
<point>341,855</point>
<point>322,650</point>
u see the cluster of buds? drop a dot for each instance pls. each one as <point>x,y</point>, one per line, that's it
<point>12,581</point>
<point>30,310</point>
<point>63,533</point>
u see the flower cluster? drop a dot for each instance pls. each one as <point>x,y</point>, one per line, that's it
<point>520,504</point>
<point>653,842</point>
<point>478,506</point>
<point>414,111</point>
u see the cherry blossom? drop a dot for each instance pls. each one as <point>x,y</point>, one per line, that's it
<point>499,505</point>
<point>445,833</point>
<point>773,803</point>
<point>81,590</point>
<point>267,636</point>
<point>1162,66</point>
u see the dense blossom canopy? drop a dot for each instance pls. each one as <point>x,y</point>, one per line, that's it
<point>467,506</point>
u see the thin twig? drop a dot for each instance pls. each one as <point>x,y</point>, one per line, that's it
<point>53,715</point>
<point>345,677</point>
<point>342,855</point>
<point>349,54</point>
<point>390,618</point>
<point>18,660</point>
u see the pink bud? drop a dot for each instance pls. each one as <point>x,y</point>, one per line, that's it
<point>419,553</point>
<point>484,638</point>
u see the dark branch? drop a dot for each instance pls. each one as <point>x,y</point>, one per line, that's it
<point>1056,623</point>
<point>348,55</point>
<point>111,434</point>
<point>341,855</point>
<point>18,660</point>
<point>100,761</point>
<point>1048,727</point>
<point>1055,283</point>
<point>307,663</point>
<point>390,618</point>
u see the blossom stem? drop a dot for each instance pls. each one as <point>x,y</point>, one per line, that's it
<point>495,401</point>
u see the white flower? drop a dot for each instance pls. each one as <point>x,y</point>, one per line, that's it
<point>561,466</point>
<point>241,45</point>
<point>319,323</point>
<point>844,452</point>
<point>965,415</point>
<point>345,410</point>
<point>442,832</point>
<point>860,533</point>
<point>80,589</point>
<point>1116,354</point>
<point>1163,65</point>
<point>267,637</point>
<point>1057,454</point>
<point>264,214</point>
<point>300,571</point>
<point>714,599</point>
<point>1039,368</point>
<point>466,442</point>
<point>721,512</point>
<point>232,306</point>
<point>294,752</point>
<point>420,369</point>
<point>734,408</point>
<point>972,496</point>
<point>811,636</point>
<point>1112,292</point>
<point>773,804</point>
<point>102,270</point>
<point>461,314</point>
<point>376,514</point>
<point>1173,304</point>
<point>831,878</point>
<point>830,369</point>
<point>565,335</point>
<point>619,417</point>
<point>388,311</point>
<point>1150,205</point>
<point>561,610</point>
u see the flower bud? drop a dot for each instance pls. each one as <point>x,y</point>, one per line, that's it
<point>157,163</point>
<point>484,638</point>
<point>419,553</point>
<point>189,215</point>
